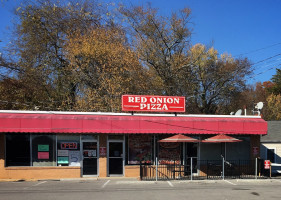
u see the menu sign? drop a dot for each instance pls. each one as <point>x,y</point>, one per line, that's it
<point>153,103</point>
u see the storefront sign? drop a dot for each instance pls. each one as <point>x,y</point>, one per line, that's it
<point>153,103</point>
<point>68,145</point>
<point>267,164</point>
<point>43,155</point>
<point>43,147</point>
<point>102,151</point>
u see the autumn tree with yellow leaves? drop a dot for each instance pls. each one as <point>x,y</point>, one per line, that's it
<point>104,67</point>
<point>77,56</point>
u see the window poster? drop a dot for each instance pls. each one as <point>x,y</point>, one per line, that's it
<point>43,147</point>
<point>62,160</point>
<point>62,153</point>
<point>43,155</point>
<point>74,158</point>
<point>140,149</point>
<point>92,153</point>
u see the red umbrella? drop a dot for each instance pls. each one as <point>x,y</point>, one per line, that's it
<point>221,138</point>
<point>179,138</point>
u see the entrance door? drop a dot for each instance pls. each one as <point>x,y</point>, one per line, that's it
<point>115,158</point>
<point>90,158</point>
<point>191,152</point>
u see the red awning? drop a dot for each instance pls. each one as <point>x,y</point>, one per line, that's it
<point>88,123</point>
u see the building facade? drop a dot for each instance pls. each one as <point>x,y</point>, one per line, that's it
<point>52,145</point>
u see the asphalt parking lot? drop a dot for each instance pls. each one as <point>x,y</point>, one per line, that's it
<point>133,189</point>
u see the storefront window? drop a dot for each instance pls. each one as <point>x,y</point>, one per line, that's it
<point>17,150</point>
<point>140,148</point>
<point>43,150</point>
<point>68,153</point>
<point>89,137</point>
<point>169,152</point>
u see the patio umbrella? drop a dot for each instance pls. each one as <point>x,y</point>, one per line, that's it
<point>179,138</point>
<point>221,139</point>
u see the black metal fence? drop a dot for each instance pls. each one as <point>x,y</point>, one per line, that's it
<point>204,169</point>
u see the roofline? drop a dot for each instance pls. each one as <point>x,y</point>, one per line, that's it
<point>124,114</point>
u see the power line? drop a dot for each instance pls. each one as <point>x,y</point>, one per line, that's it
<point>256,50</point>
<point>267,59</point>
<point>257,69</point>
<point>271,61</point>
<point>260,73</point>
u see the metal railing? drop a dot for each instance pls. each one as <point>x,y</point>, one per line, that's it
<point>204,169</point>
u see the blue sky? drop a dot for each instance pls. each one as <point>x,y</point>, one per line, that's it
<point>247,28</point>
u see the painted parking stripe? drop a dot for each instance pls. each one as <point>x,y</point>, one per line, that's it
<point>35,185</point>
<point>39,183</point>
<point>230,182</point>
<point>103,186</point>
<point>169,182</point>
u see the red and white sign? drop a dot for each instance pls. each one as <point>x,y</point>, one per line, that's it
<point>102,151</point>
<point>267,164</point>
<point>153,103</point>
<point>69,145</point>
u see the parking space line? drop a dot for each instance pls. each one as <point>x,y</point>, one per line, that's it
<point>170,183</point>
<point>35,185</point>
<point>39,183</point>
<point>103,186</point>
<point>230,182</point>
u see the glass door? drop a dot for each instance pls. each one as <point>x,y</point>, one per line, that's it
<point>191,152</point>
<point>90,155</point>
<point>115,157</point>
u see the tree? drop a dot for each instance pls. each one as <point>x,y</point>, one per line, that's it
<point>273,101</point>
<point>215,79</point>
<point>276,80</point>
<point>161,43</point>
<point>273,107</point>
<point>104,67</point>
<point>163,46</point>
<point>250,96</point>
<point>74,57</point>
<point>39,58</point>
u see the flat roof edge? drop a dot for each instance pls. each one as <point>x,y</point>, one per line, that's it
<point>124,114</point>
